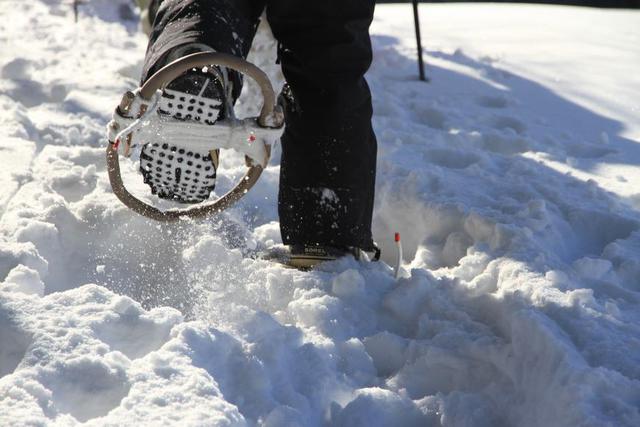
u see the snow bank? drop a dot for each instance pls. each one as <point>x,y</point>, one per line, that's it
<point>512,178</point>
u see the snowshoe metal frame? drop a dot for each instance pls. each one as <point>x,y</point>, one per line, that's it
<point>227,133</point>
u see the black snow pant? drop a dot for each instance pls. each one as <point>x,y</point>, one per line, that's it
<point>328,163</point>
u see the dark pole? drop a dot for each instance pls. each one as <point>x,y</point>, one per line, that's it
<point>416,20</point>
<point>75,9</point>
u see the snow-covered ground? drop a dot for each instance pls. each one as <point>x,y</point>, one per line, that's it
<point>514,178</point>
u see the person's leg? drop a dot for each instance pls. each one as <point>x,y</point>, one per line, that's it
<point>327,175</point>
<point>226,26</point>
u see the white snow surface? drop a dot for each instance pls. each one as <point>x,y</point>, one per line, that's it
<point>513,178</point>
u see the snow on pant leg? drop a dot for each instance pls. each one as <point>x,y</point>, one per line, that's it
<point>327,175</point>
<point>226,26</point>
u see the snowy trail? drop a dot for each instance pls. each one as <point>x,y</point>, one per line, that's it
<point>513,178</point>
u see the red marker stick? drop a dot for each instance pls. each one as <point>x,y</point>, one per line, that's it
<point>399,253</point>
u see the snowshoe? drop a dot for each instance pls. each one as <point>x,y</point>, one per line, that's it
<point>181,118</point>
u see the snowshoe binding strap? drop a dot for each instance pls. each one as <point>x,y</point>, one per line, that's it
<point>138,110</point>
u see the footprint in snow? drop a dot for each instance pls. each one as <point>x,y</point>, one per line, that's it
<point>451,159</point>
<point>507,145</point>
<point>506,122</point>
<point>496,102</point>
<point>584,151</point>
<point>596,230</point>
<point>429,116</point>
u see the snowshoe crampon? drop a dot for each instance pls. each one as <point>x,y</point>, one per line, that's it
<point>138,121</point>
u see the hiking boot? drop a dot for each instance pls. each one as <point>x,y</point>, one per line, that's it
<point>176,173</point>
<point>308,256</point>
